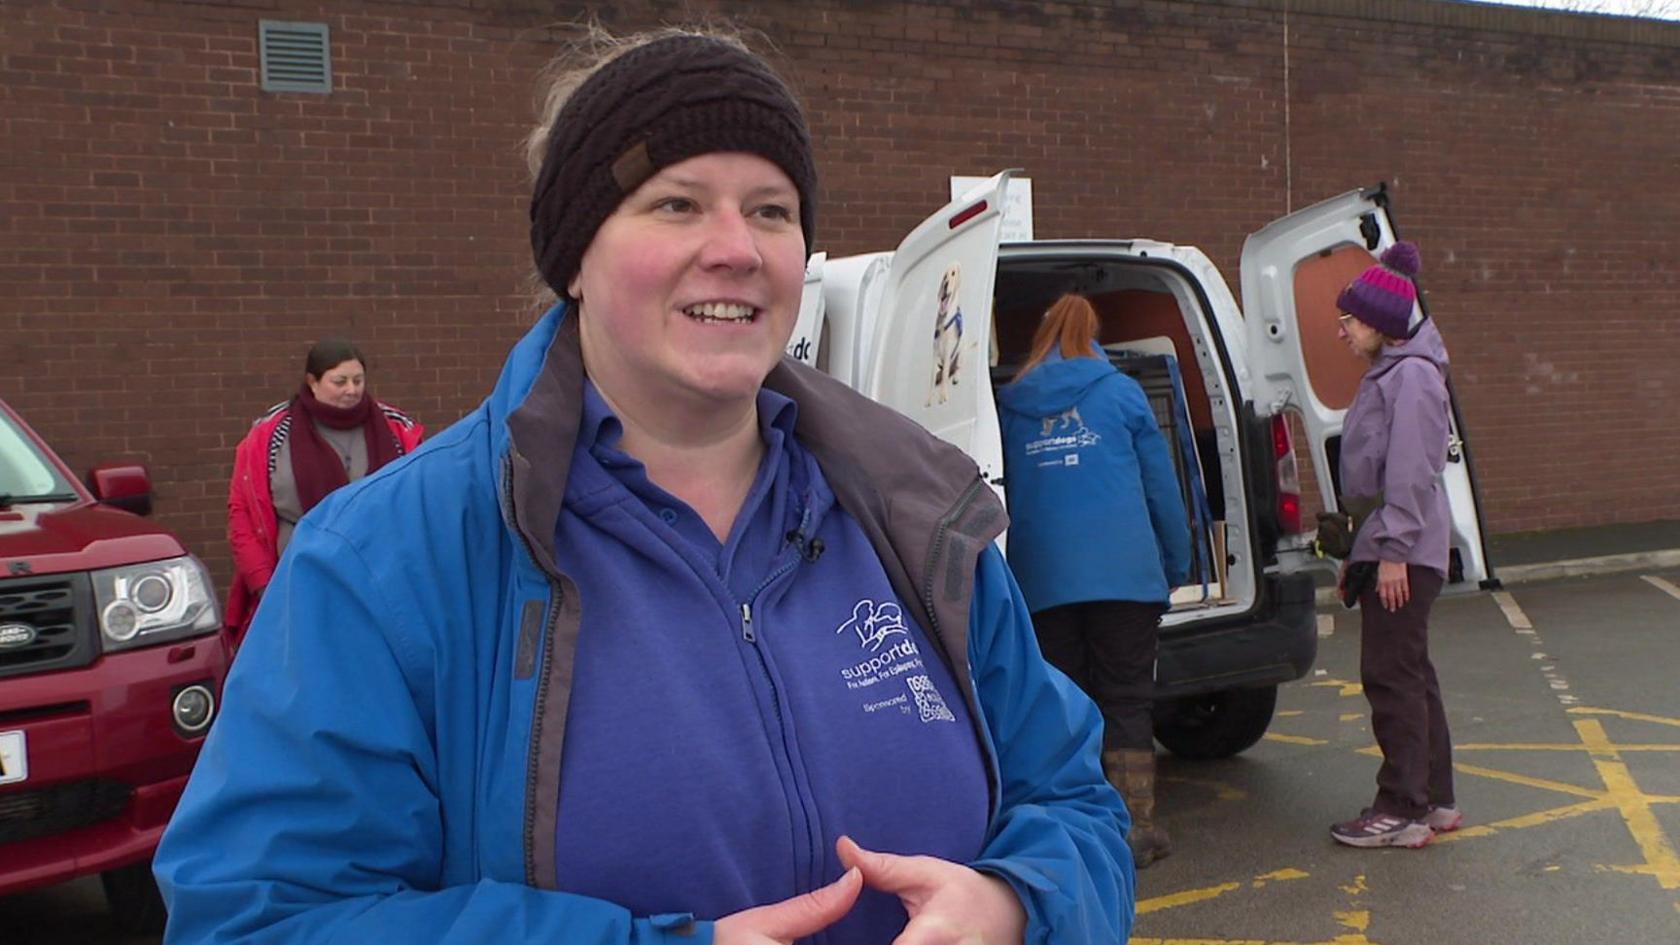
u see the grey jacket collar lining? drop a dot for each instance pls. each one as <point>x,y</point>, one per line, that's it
<point>885,463</point>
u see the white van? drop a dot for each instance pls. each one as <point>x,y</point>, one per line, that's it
<point>1245,622</point>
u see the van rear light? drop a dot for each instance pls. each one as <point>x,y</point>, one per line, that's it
<point>966,214</point>
<point>1288,477</point>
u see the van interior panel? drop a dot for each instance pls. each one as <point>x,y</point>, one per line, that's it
<point>1332,369</point>
<point>1134,314</point>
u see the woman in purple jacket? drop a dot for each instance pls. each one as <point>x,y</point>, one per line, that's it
<point>1394,447</point>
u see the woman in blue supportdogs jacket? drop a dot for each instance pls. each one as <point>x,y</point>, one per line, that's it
<point>1099,538</point>
<point>671,639</point>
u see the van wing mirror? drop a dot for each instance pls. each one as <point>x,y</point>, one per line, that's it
<point>122,485</point>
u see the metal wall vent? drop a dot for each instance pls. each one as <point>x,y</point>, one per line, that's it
<point>296,57</point>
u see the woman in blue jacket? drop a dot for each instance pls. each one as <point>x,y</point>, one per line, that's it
<point>1098,540</point>
<point>672,639</point>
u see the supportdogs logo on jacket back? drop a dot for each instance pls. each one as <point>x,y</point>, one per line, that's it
<point>1064,435</point>
<point>875,624</point>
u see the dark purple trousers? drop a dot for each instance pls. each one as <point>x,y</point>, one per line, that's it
<point>1407,717</point>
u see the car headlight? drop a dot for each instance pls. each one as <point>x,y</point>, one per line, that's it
<point>144,604</point>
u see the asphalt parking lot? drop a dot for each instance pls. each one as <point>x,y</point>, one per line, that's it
<point>1564,699</point>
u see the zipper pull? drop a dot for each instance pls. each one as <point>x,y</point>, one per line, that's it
<point>746,624</point>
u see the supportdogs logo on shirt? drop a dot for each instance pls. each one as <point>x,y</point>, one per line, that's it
<point>874,625</point>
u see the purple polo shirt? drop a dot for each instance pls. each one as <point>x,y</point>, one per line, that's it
<point>739,705</point>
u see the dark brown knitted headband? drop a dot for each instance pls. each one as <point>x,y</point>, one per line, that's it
<point>651,107</point>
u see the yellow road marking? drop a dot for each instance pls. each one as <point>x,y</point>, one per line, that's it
<point>1136,940</point>
<point>1350,716</point>
<point>1513,614</point>
<point>1620,794</point>
<point>1545,784</point>
<point>1665,874</point>
<point>1359,921</point>
<point>1511,776</point>
<point>1667,587</point>
<point>1294,739</point>
<point>1191,896</point>
<point>1559,746</point>
<point>1288,713</point>
<point>1535,819</point>
<point>1345,688</point>
<point>1635,806</point>
<point>1632,716</point>
<point>1355,921</point>
<point>1354,939</point>
<point>1188,897</point>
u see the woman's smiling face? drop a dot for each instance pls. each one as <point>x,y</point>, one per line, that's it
<point>690,289</point>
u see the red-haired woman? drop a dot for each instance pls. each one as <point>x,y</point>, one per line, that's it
<point>1098,538</point>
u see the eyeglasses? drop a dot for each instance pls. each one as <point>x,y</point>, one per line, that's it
<point>1343,318</point>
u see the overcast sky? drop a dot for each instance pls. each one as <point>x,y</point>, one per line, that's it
<point>1654,8</point>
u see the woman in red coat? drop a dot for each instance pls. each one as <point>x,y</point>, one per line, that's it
<point>330,433</point>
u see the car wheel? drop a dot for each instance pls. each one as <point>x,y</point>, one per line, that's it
<point>1215,725</point>
<point>133,896</point>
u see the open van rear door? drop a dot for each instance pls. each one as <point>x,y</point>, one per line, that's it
<point>808,329</point>
<point>1292,272</point>
<point>929,341</point>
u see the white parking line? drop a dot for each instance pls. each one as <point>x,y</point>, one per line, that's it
<point>1326,625</point>
<point>1513,614</point>
<point>1548,667</point>
<point>1667,587</point>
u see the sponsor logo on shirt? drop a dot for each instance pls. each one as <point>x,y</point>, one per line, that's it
<point>928,700</point>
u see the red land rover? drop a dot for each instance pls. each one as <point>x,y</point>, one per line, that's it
<point>112,655</point>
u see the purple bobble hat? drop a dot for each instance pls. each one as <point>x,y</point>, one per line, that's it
<point>1383,296</point>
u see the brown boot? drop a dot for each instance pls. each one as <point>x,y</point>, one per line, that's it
<point>1132,772</point>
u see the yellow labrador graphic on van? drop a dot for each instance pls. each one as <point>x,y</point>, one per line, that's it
<point>947,337</point>
<point>1062,437</point>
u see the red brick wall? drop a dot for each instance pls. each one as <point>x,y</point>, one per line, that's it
<point>174,238</point>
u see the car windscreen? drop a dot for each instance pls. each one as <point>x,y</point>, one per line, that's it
<point>25,472</point>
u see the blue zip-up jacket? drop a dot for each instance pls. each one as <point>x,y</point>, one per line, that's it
<point>1096,510</point>
<point>387,760</point>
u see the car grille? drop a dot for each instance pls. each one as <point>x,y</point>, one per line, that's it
<point>60,808</point>
<point>60,610</point>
